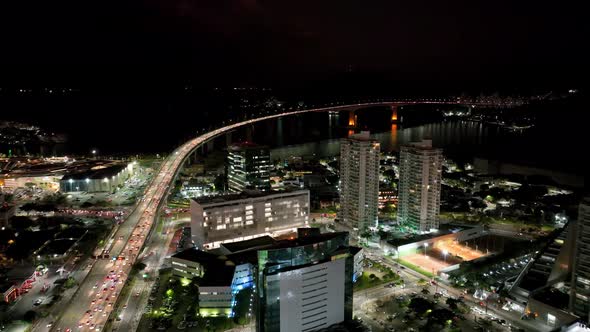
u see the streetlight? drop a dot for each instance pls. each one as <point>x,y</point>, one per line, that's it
<point>425,247</point>
<point>445,253</point>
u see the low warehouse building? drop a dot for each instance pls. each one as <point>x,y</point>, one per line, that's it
<point>97,179</point>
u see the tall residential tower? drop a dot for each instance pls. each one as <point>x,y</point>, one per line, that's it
<point>359,181</point>
<point>419,186</point>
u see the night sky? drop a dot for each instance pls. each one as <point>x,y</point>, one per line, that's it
<point>276,42</point>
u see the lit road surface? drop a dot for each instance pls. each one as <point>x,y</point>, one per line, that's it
<point>95,299</point>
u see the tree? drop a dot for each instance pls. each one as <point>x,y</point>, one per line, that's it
<point>20,222</point>
<point>453,303</point>
<point>421,282</point>
<point>70,282</point>
<point>30,316</point>
<point>389,175</point>
<point>420,305</point>
<point>170,293</point>
<point>441,317</point>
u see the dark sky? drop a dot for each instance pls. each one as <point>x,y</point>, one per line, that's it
<point>280,41</point>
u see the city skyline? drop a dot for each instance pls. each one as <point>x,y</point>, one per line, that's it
<point>294,166</point>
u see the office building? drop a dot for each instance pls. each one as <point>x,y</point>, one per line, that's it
<point>554,287</point>
<point>299,284</point>
<point>359,181</point>
<point>420,169</point>
<point>221,278</point>
<point>305,284</point>
<point>237,217</point>
<point>248,167</point>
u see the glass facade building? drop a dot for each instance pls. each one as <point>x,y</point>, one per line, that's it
<point>248,167</point>
<point>294,284</point>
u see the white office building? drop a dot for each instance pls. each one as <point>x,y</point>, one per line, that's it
<point>420,171</point>
<point>359,181</point>
<point>238,217</point>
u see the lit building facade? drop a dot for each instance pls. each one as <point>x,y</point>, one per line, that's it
<point>359,181</point>
<point>97,179</point>
<point>419,187</point>
<point>221,279</point>
<point>248,167</point>
<point>306,284</point>
<point>231,218</point>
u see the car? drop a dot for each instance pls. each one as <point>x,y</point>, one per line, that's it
<point>50,324</point>
<point>38,302</point>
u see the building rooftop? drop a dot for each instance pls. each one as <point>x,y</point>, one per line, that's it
<point>256,243</point>
<point>307,240</point>
<point>425,144</point>
<point>243,195</point>
<point>71,233</point>
<point>219,269</point>
<point>553,297</point>
<point>362,136</point>
<point>96,173</point>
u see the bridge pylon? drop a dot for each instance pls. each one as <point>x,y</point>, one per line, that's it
<point>352,119</point>
<point>394,115</point>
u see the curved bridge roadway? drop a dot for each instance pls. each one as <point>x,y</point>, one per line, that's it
<point>93,303</point>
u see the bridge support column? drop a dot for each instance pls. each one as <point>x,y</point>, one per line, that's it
<point>228,139</point>
<point>249,134</point>
<point>394,116</point>
<point>352,119</point>
<point>210,146</point>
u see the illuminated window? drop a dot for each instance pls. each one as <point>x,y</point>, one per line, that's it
<point>220,227</point>
<point>237,219</point>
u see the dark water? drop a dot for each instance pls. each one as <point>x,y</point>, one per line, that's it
<point>319,135</point>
